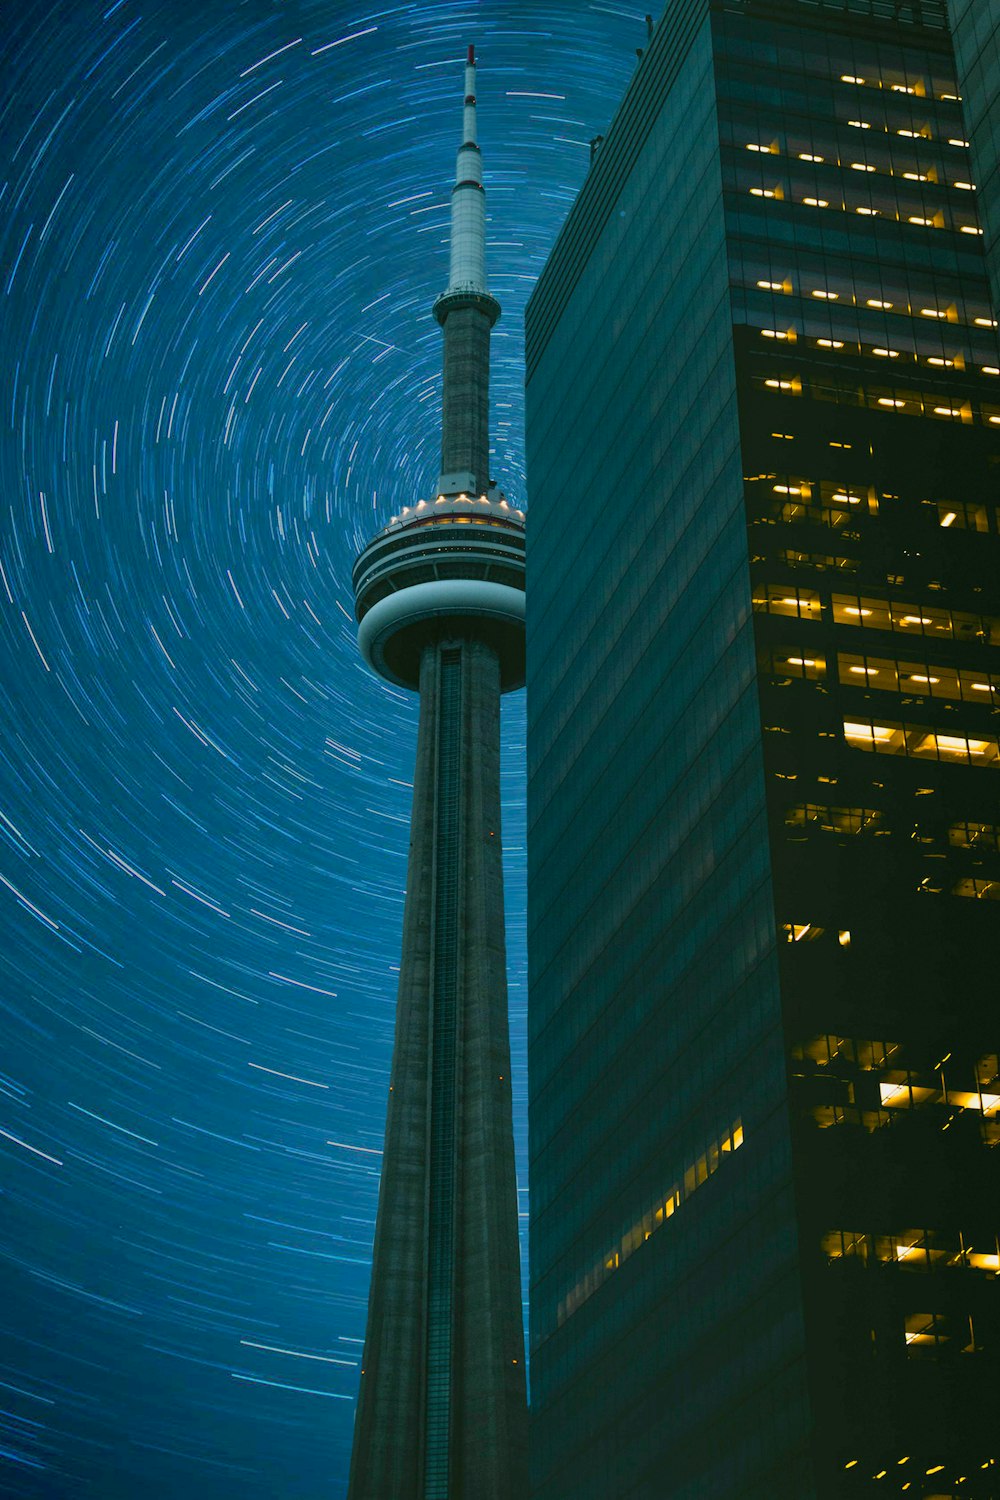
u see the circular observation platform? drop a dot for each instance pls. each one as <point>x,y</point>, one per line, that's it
<point>448,567</point>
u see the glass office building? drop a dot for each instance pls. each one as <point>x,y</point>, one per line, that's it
<point>764,777</point>
<point>976,32</point>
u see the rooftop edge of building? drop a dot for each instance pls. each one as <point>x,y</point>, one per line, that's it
<point>645,95</point>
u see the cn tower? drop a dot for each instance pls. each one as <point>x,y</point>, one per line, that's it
<point>439,597</point>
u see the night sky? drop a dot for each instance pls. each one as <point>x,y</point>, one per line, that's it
<point>223,225</point>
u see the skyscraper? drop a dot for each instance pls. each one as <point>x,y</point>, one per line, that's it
<point>440,603</point>
<point>976,32</point>
<point>763,819</point>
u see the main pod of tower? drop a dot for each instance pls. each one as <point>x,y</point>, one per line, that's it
<point>442,1411</point>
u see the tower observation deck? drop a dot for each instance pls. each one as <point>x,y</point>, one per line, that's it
<point>439,598</point>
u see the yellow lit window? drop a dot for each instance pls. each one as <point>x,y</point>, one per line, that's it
<point>801,932</point>
<point>817,202</point>
<point>974,836</point>
<point>696,1172</point>
<point>878,302</point>
<point>776,599</point>
<point>860,124</point>
<point>807,156</point>
<point>979,890</point>
<point>847,820</point>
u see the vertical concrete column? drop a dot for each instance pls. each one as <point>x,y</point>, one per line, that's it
<point>465,443</point>
<point>442,1413</point>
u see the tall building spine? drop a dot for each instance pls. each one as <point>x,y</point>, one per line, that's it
<point>442,1410</point>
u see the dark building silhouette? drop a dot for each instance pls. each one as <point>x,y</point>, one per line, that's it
<point>976,34</point>
<point>442,1411</point>
<point>764,777</point>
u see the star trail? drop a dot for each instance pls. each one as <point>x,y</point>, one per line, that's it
<point>223,226</point>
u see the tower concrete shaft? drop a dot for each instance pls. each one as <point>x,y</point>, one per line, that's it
<point>439,597</point>
<point>442,1411</point>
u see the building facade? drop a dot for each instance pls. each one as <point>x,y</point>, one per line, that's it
<point>439,596</point>
<point>976,33</point>
<point>763,622</point>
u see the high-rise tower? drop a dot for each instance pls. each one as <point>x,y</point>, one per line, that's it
<point>442,1412</point>
<point>763,412</point>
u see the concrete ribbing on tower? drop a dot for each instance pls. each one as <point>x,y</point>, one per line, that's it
<point>465,444</point>
<point>442,1409</point>
<point>439,597</point>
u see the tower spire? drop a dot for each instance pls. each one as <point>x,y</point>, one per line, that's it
<point>467,311</point>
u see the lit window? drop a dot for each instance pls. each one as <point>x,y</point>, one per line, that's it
<point>817,202</point>
<point>860,124</point>
<point>768,150</point>
<point>944,364</point>
<point>830,343</point>
<point>932,312</point>
<point>970,187</point>
<point>886,353</point>
<point>805,156</point>
<point>844,938</point>
<point>877,302</point>
<point>870,213</point>
<point>979,890</point>
<point>826,296</point>
<point>850,820</point>
<point>926,1333</point>
<point>971,229</point>
<point>916,176</point>
<point>696,1173</point>
<point>985,322</point>
<point>850,78</point>
<point>801,932</point>
<point>865,671</point>
<point>861,166</point>
<point>991,369</point>
<point>916,219</point>
<point>911,135</point>
<point>902,88</point>
<point>890,401</point>
<point>777,333</point>
<point>762,192</point>
<point>771,286</point>
<point>947,411</point>
<point>802,604</point>
<point>956,141</point>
